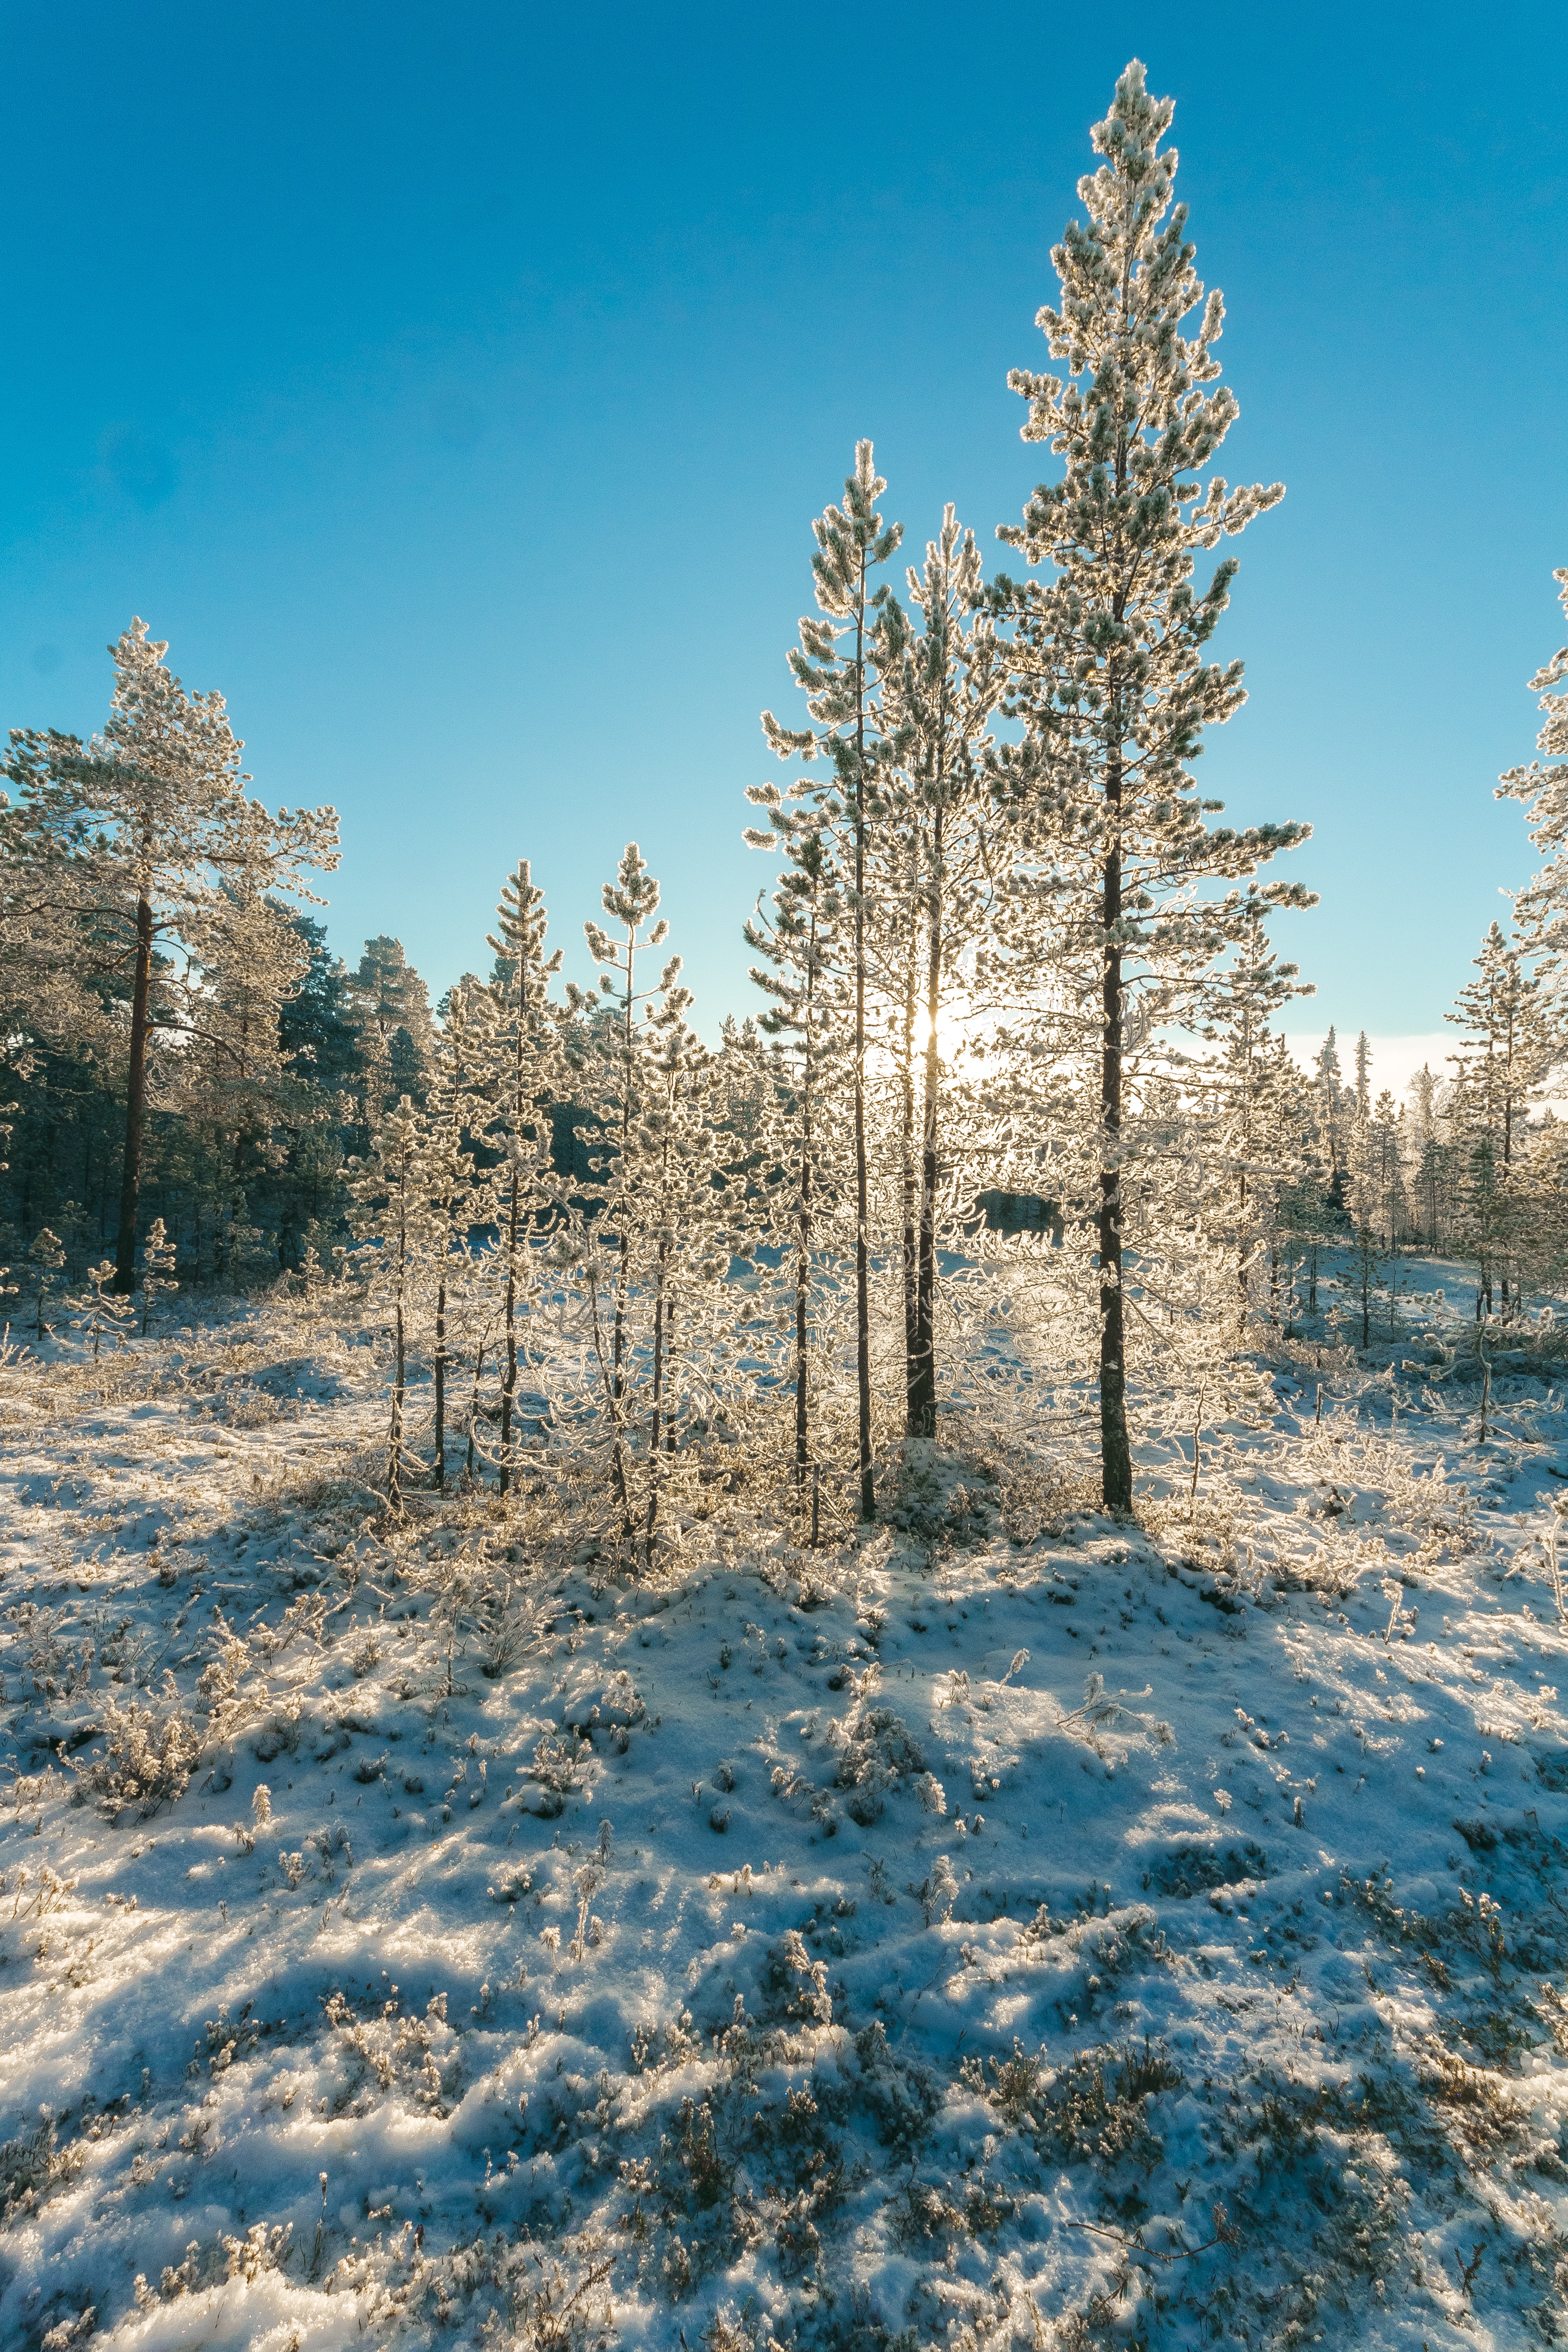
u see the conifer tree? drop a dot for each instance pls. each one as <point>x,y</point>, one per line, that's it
<point>145,835</point>
<point>1257,1094</point>
<point>454,1202</point>
<point>943,682</point>
<point>529,1068</point>
<point>158,1259</point>
<point>800,943</point>
<point>46,1258</point>
<point>836,667</point>
<point>391,1190</point>
<point>102,1311</point>
<point>615,1070</point>
<point>1108,654</point>
<point>1541,785</point>
<point>1505,1055</point>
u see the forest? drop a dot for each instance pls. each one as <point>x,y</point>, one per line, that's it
<point>625,1506</point>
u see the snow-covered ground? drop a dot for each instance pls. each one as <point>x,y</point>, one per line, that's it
<point>1012,1928</point>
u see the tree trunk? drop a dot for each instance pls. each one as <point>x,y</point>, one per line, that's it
<point>394,1446</point>
<point>438,1467</point>
<point>1115,1453</point>
<point>656,1416</point>
<point>469,1463</point>
<point>135,1103</point>
<point>509,1380</point>
<point>909,1192</point>
<point>923,1352</point>
<point>863,1204</point>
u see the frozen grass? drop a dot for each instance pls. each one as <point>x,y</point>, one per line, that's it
<point>1012,1929</point>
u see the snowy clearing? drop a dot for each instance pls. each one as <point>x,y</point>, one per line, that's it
<point>988,1933</point>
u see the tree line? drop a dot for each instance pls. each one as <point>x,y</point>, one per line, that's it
<point>1008,953</point>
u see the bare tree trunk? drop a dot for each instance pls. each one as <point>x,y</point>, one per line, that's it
<point>135,1103</point>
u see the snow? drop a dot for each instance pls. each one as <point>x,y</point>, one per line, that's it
<point>1135,1928</point>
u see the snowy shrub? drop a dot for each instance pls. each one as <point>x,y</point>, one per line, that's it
<point>148,1756</point>
<point>1015,2083</point>
<point>34,2165</point>
<point>1188,1870</point>
<point>382,2046</point>
<point>900,2097</point>
<point>674,2043</point>
<point>1095,2111</point>
<point>797,1984</point>
<point>875,1752</point>
<point>937,1891</point>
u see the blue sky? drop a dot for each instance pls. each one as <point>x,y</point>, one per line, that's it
<point>455,390</point>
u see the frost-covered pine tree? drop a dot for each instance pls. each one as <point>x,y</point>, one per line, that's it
<point>528,1077</point>
<point>1507,1051</point>
<point>667,1186</point>
<point>1108,650</point>
<point>1255,1092</point>
<point>158,1260</point>
<point>45,1261</point>
<point>391,1190</point>
<point>103,1312</point>
<point>1541,785</point>
<point>835,667</point>
<point>147,836</point>
<point>807,1018</point>
<point>459,1070</point>
<point>1331,1111</point>
<point>943,680</point>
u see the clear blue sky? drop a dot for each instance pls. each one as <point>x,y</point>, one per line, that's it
<point>455,387</point>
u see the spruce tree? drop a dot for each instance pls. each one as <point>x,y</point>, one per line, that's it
<point>1108,654</point>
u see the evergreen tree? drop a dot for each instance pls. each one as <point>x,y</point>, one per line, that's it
<point>801,942</point>
<point>836,668</point>
<point>1108,659</point>
<point>158,1256</point>
<point>941,689</point>
<point>1506,1053</point>
<point>1541,785</point>
<point>528,1070</point>
<point>391,1189</point>
<point>46,1258</point>
<point>147,837</point>
<point>103,1312</point>
<point>452,1200</point>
